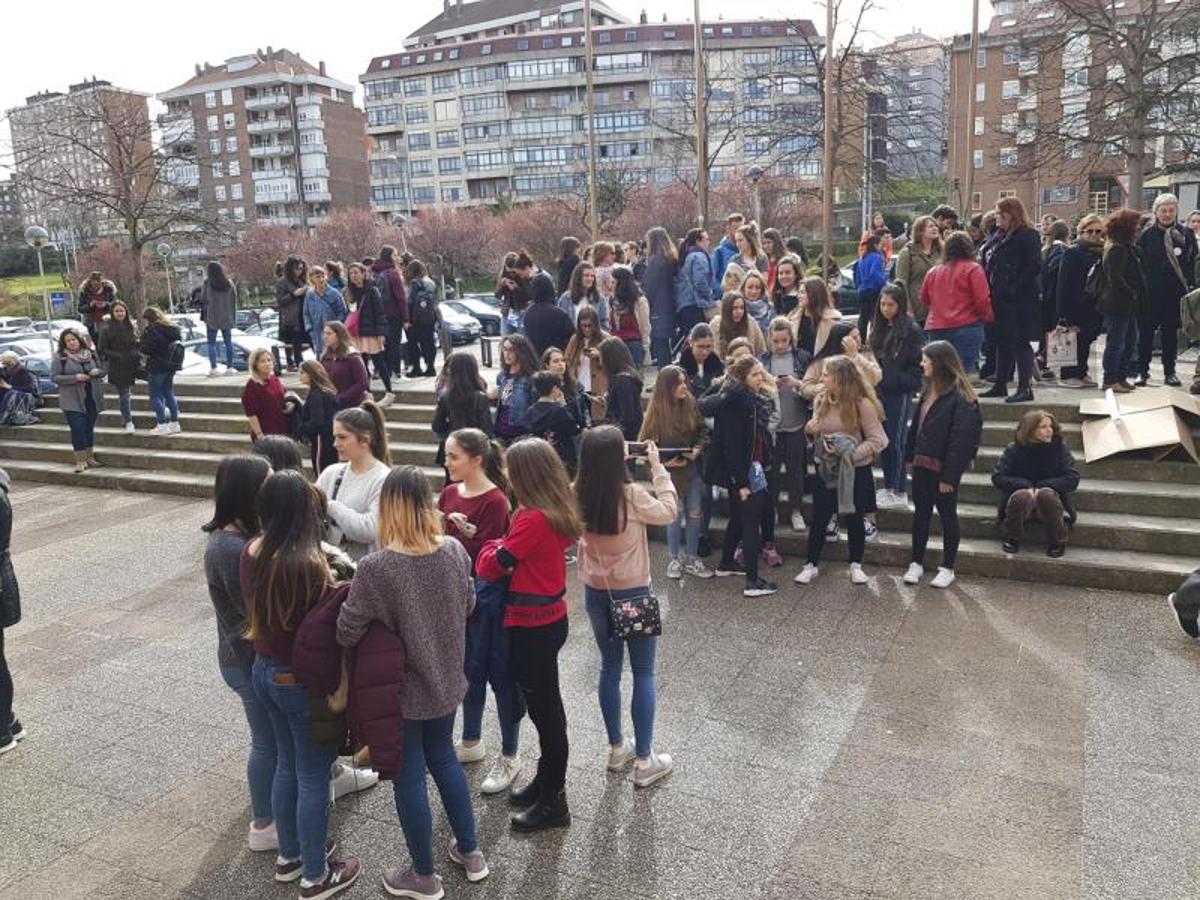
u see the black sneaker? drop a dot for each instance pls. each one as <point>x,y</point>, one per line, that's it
<point>1055,551</point>
<point>17,729</point>
<point>526,796</point>
<point>550,811</point>
<point>759,588</point>
<point>704,550</point>
<point>1171,380</point>
<point>7,742</point>
<point>1185,615</point>
<point>1011,545</point>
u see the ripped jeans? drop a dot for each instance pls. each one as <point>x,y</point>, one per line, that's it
<point>687,524</point>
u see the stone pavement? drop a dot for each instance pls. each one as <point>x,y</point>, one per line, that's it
<point>994,740</point>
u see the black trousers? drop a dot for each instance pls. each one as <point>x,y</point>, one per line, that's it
<point>294,340</point>
<point>534,656</point>
<point>6,688</point>
<point>395,337</point>
<point>1010,351</point>
<point>825,504</point>
<point>787,469</point>
<point>422,344</point>
<point>745,523</point>
<point>382,371</point>
<point>926,496</point>
<point>868,302</point>
<point>1170,344</point>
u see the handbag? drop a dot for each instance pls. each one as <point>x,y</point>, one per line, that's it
<point>352,323</point>
<point>634,617</point>
<point>1062,347</point>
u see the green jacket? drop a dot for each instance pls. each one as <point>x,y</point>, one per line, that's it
<point>1189,314</point>
<point>912,265</point>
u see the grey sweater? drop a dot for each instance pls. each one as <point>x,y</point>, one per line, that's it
<point>220,306</point>
<point>222,556</point>
<point>425,601</point>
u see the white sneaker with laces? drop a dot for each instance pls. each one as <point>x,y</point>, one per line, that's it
<point>870,530</point>
<point>129,429</point>
<point>915,573</point>
<point>884,498</point>
<point>350,780</point>
<point>798,521</point>
<point>503,774</point>
<point>475,753</point>
<point>386,400</point>
<point>649,770</point>
<point>161,428</point>
<point>213,373</point>
<point>944,578</point>
<point>619,757</point>
<point>806,575</point>
<point>698,569</point>
<point>174,427</point>
<point>857,575</point>
<point>674,569</point>
<point>261,840</point>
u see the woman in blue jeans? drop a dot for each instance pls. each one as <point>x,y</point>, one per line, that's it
<point>1123,298</point>
<point>80,383</point>
<point>283,574</point>
<point>896,341</point>
<point>157,337</point>
<point>614,564</point>
<point>234,523</point>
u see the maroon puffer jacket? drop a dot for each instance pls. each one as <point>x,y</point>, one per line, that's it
<point>374,711</point>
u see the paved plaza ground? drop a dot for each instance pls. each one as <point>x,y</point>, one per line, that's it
<point>994,740</point>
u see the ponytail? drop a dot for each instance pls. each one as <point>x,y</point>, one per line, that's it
<point>475,443</point>
<point>367,421</point>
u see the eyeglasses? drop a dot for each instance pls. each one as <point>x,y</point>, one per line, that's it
<point>1093,231</point>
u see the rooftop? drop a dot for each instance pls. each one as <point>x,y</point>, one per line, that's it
<point>282,62</point>
<point>457,14</point>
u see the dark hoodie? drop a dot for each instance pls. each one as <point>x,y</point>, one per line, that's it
<point>10,593</point>
<point>553,422</point>
<point>392,292</point>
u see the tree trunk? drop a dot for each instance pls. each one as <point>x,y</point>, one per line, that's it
<point>139,277</point>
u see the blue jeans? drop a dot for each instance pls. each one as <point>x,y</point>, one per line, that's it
<point>1119,348</point>
<point>687,524</point>
<point>967,339</point>
<point>260,768</point>
<point>612,655</point>
<point>125,402</point>
<point>300,790</point>
<point>162,397</point>
<point>487,659</point>
<point>638,351</point>
<point>897,410</point>
<point>429,744</point>
<point>227,336</point>
<point>83,425</point>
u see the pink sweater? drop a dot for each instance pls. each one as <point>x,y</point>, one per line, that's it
<point>618,561</point>
<point>872,436</point>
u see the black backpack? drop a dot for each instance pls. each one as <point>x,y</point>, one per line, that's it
<point>422,302</point>
<point>174,355</point>
<point>1095,283</point>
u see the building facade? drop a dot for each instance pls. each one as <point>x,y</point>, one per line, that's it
<point>12,223</point>
<point>489,101</point>
<point>267,138</point>
<point>914,70</point>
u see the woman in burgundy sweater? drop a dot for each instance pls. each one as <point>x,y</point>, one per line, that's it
<point>262,397</point>
<point>345,367</point>
<point>532,557</point>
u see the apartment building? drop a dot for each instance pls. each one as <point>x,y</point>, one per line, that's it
<point>12,224</point>
<point>489,100</point>
<point>69,144</point>
<point>267,138</point>
<point>914,70</point>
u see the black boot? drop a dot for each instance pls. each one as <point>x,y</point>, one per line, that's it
<point>1023,395</point>
<point>526,796</point>
<point>999,389</point>
<point>550,811</point>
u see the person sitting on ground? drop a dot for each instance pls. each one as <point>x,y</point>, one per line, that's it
<point>18,392</point>
<point>549,418</point>
<point>1037,475</point>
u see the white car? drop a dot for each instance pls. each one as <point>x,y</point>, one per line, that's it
<point>15,323</point>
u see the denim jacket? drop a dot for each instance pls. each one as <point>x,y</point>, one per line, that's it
<point>693,282</point>
<point>512,410</point>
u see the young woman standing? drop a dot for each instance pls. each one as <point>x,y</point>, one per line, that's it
<point>290,291</point>
<point>80,383</point>
<point>941,447</point>
<point>423,320</point>
<point>659,285</point>
<point>513,392</point>
<point>775,249</point>
<point>750,254</point>
<point>758,303</point>
<point>284,574</point>
<point>673,420</point>
<point>694,282</point>
<point>463,403</point>
<point>568,261</point>
<point>582,293</point>
<point>896,342</point>
<point>475,510</point>
<point>419,587</point>
<point>870,277</point>
<point>218,300</point>
<point>320,407</point>
<point>353,484</point>
<point>785,291</point>
<point>118,351</point>
<point>735,322</point>
<point>614,565</point>
<point>554,361</point>
<point>786,364</point>
<point>532,555</point>
<point>623,402</point>
<point>915,261</point>
<point>1013,269</point>
<point>1124,298</point>
<point>157,337</point>
<point>372,326</point>
<point>630,314</point>
<point>583,359</point>
<point>345,367</point>
<point>262,397</point>
<point>957,300</point>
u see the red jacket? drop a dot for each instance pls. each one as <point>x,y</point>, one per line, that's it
<point>532,556</point>
<point>956,294</point>
<point>395,305</point>
<point>374,711</point>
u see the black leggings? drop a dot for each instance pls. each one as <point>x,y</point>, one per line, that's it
<point>6,688</point>
<point>294,349</point>
<point>787,470</point>
<point>380,364</point>
<point>422,342</point>
<point>534,655</point>
<point>926,496</point>
<point>745,523</point>
<point>825,504</point>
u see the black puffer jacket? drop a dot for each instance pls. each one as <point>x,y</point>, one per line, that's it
<point>948,436</point>
<point>901,365</point>
<point>156,340</point>
<point>1014,278</point>
<point>735,422</point>
<point>1124,291</point>
<point>372,320</point>
<point>10,592</point>
<point>1037,465</point>
<point>1073,307</point>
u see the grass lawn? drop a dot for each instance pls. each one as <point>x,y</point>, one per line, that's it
<point>23,296</point>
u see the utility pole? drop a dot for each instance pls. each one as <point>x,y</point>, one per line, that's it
<point>968,181</point>
<point>701,119</point>
<point>827,161</point>
<point>593,212</point>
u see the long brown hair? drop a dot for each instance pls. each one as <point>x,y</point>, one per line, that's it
<point>1015,210</point>
<point>817,300</point>
<point>539,481</point>
<point>849,391</point>
<point>318,377</point>
<point>727,329</point>
<point>600,484</point>
<point>948,374</point>
<point>344,346</point>
<point>408,518</point>
<point>367,421</point>
<point>475,443</point>
<point>666,415</point>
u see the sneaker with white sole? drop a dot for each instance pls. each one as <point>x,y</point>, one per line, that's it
<point>620,756</point>
<point>857,575</point>
<point>798,523</point>
<point>697,569</point>
<point>831,531</point>
<point>503,774</point>
<point>649,770</point>
<point>341,874</point>
<point>886,499</point>
<point>213,373</point>
<point>128,428</point>
<point>674,569</point>
<point>289,870</point>
<point>174,427</point>
<point>760,587</point>
<point>260,840</point>
<point>915,573</point>
<point>386,400</point>
<point>807,574</point>
<point>162,428</point>
<point>477,752</point>
<point>351,780</point>
<point>944,578</point>
<point>473,863</point>
<point>410,884</point>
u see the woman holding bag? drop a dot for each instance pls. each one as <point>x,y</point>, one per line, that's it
<point>614,565</point>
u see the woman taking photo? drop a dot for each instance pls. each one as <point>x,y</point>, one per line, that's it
<point>372,327</point>
<point>846,418</point>
<point>623,402</point>
<point>659,286</point>
<point>320,407</point>
<point>262,397</point>
<point>614,566</point>
<point>1123,298</point>
<point>513,392</point>
<point>1075,307</point>
<point>957,300</point>
<point>1037,475</point>
<point>419,587</point>
<point>737,460</point>
<point>218,303</point>
<point>896,342</point>
<point>475,510</point>
<point>630,314</point>
<point>582,294</point>
<point>345,367</point>
<point>1013,271</point>
<point>694,299</point>
<point>735,322</point>
<point>532,555</point>
<point>290,291</point>
<point>942,445</point>
<point>118,352</point>
<point>785,293</point>
<point>80,383</point>
<point>352,485</point>
<point>673,420</point>
<point>283,575</point>
<point>464,402</point>
<point>158,335</point>
<point>233,525</point>
<point>915,261</point>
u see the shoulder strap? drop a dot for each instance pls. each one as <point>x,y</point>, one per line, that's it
<point>337,484</point>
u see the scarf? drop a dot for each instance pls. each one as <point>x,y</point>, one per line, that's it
<point>1172,240</point>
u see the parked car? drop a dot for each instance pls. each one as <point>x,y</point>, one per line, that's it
<point>15,323</point>
<point>485,314</point>
<point>14,337</point>
<point>243,345</point>
<point>245,318</point>
<point>845,293</point>
<point>462,327</point>
<point>490,299</point>
<point>39,368</point>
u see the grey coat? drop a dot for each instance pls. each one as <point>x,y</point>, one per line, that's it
<point>71,391</point>
<point>219,306</point>
<point>834,455</point>
<point>10,592</point>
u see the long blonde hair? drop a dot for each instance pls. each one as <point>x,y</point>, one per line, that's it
<point>668,416</point>
<point>850,389</point>
<point>408,519</point>
<point>539,481</point>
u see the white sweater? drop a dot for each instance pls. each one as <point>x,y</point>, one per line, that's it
<point>354,515</point>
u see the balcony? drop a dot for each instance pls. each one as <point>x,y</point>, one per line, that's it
<point>316,172</point>
<point>263,126</point>
<point>1027,67</point>
<point>1025,136</point>
<point>286,221</point>
<point>265,197</point>
<point>264,174</point>
<point>314,147</point>
<point>310,122</point>
<point>1027,102</point>
<point>316,196</point>
<point>262,150</point>
<point>268,101</point>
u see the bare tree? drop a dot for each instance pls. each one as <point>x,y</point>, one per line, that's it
<point>455,243</point>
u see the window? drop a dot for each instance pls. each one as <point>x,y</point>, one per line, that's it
<point>219,193</point>
<point>235,191</point>
<point>522,45</point>
<point>630,37</point>
<point>227,97</point>
<point>978,159</point>
<point>747,31</point>
<point>544,126</point>
<point>604,37</point>
<point>214,122</point>
<point>1005,195</point>
<point>235,169</point>
<point>980,92</point>
<point>756,59</point>
<point>668,34</point>
<point>623,121</point>
<point>479,134</point>
<point>1060,193</point>
<point>1008,123</point>
<point>976,201</point>
<point>416,113</point>
<point>214,146</point>
<point>1075,78</point>
<point>1073,150</point>
<point>1111,148</point>
<point>978,125</point>
<point>1008,156</point>
<point>560,101</point>
<point>534,69</point>
<point>485,50</point>
<point>545,156</point>
<point>444,82</point>
<point>756,115</point>
<point>1010,89</point>
<point>480,75</point>
<point>756,146</point>
<point>383,88</point>
<point>620,62</point>
<point>482,103</point>
<point>452,53</point>
<point>418,140</point>
<point>449,165</point>
<point>423,194</point>
<point>239,214</point>
<point>485,159</point>
<point>548,43</point>
<point>210,100</point>
<point>757,89</point>
<point>630,150</point>
<point>383,115</point>
<point>981,58</point>
<point>531,102</point>
<point>414,87</point>
<point>566,42</point>
<point>548,22</point>
<point>628,95</point>
<point>444,110</point>
<point>388,193</point>
<point>447,139</point>
<point>420,168</point>
<point>228,120</point>
<point>217,170</point>
<point>231,143</point>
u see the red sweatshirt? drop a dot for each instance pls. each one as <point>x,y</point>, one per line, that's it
<point>531,556</point>
<point>488,513</point>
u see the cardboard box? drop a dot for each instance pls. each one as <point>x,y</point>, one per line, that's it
<point>1150,420</point>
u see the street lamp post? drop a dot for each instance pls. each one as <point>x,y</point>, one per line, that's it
<point>164,250</point>
<point>755,174</point>
<point>37,237</point>
<point>400,220</point>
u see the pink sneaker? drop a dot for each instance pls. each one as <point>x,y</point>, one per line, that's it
<point>771,555</point>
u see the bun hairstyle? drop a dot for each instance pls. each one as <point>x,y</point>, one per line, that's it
<point>366,422</point>
<point>475,443</point>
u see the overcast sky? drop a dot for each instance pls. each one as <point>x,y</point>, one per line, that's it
<point>70,40</point>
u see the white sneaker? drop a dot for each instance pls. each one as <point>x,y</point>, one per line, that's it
<point>806,575</point>
<point>798,523</point>
<point>944,578</point>
<point>886,499</point>
<point>503,774</point>
<point>915,573</point>
<point>674,569</point>
<point>619,757</point>
<point>129,429</point>
<point>473,754</point>
<point>161,429</point>
<point>350,780</point>
<point>174,428</point>
<point>698,569</point>
<point>213,373</point>
<point>261,840</point>
<point>386,400</point>
<point>649,770</point>
<point>857,575</point>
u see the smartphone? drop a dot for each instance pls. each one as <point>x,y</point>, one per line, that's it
<point>635,448</point>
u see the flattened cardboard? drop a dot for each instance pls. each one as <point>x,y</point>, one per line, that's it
<point>1144,399</point>
<point>1161,429</point>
